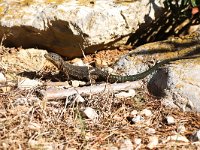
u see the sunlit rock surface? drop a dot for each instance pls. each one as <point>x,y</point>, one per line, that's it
<point>177,83</point>
<point>67,26</point>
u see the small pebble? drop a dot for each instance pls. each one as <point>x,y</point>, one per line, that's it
<point>181,129</point>
<point>153,142</point>
<point>146,112</point>
<point>137,119</point>
<point>130,93</point>
<point>78,62</point>
<point>151,131</point>
<point>137,141</point>
<point>176,137</point>
<point>75,83</point>
<point>79,99</point>
<point>196,136</point>
<point>2,78</point>
<point>91,113</point>
<point>126,145</point>
<point>170,120</point>
<point>134,112</point>
<point>74,98</point>
<point>82,83</point>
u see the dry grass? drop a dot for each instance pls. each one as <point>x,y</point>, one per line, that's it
<point>39,124</point>
<point>28,121</point>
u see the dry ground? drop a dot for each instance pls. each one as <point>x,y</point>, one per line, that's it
<point>29,122</point>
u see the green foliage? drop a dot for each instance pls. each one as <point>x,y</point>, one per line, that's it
<point>193,3</point>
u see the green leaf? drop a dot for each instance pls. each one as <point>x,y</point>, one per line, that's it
<point>193,2</point>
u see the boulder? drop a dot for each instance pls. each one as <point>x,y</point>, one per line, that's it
<point>68,27</point>
<point>177,83</point>
<point>182,84</point>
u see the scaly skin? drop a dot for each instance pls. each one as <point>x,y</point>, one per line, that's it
<point>85,73</point>
<point>71,71</point>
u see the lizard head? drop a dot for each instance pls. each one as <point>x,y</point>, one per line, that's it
<point>54,58</point>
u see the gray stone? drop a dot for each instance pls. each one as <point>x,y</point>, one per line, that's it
<point>137,119</point>
<point>177,82</point>
<point>183,84</point>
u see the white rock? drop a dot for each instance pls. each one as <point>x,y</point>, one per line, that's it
<point>28,84</point>
<point>79,99</point>
<point>146,112</point>
<point>2,78</point>
<point>75,83</point>
<point>176,137</point>
<point>196,136</point>
<point>137,141</point>
<point>153,142</point>
<point>151,131</point>
<point>74,98</point>
<point>183,83</point>
<point>91,113</point>
<point>130,93</point>
<point>78,62</point>
<point>170,120</point>
<point>82,83</point>
<point>134,112</point>
<point>181,129</point>
<point>137,119</point>
<point>126,145</point>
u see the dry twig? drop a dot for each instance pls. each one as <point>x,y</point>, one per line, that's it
<point>54,93</point>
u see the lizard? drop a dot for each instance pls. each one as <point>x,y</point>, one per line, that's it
<point>87,73</point>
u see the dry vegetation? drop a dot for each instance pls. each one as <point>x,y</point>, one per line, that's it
<point>28,121</point>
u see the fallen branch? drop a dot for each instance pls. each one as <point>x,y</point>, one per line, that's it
<point>53,93</point>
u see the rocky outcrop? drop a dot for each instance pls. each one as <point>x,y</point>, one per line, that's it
<point>177,83</point>
<point>66,27</point>
<point>183,84</point>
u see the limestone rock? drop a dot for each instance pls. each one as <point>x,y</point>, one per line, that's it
<point>67,27</point>
<point>178,82</point>
<point>183,84</point>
